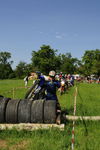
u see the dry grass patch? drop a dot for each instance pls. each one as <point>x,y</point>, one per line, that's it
<point>22,145</point>
<point>3,144</point>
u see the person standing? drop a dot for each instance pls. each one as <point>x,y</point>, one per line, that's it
<point>26,81</point>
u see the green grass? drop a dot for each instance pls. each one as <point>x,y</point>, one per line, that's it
<point>87,137</point>
<point>67,100</point>
<point>88,100</point>
<point>37,140</point>
<point>7,87</point>
<point>87,133</point>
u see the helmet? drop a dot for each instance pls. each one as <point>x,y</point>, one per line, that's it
<point>38,73</point>
<point>52,73</point>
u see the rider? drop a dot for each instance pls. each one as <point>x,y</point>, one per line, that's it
<point>51,86</point>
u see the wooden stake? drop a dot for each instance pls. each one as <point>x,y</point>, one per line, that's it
<point>13,93</point>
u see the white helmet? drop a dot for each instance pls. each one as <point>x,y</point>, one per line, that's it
<point>52,73</point>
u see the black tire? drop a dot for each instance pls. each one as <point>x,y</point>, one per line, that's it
<point>50,111</point>
<point>29,92</point>
<point>1,97</point>
<point>3,104</point>
<point>37,111</point>
<point>24,111</point>
<point>12,111</point>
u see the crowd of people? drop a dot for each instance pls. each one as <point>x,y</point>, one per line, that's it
<point>66,81</point>
<point>92,79</point>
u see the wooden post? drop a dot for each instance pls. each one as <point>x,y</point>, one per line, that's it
<point>13,93</point>
<point>30,126</point>
<point>93,118</point>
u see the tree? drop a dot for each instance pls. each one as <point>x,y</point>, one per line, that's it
<point>5,65</point>
<point>91,62</point>
<point>45,59</point>
<point>23,69</point>
<point>4,58</point>
<point>68,64</point>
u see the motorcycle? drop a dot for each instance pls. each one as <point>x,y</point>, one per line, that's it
<point>35,92</point>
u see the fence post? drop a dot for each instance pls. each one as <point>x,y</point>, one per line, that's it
<point>13,93</point>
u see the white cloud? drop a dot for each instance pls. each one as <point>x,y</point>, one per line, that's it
<point>59,37</point>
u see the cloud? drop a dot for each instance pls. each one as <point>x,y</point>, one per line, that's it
<point>59,37</point>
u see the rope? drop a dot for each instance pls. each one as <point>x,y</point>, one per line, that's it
<point>14,89</point>
<point>74,113</point>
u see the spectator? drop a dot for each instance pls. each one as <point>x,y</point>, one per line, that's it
<point>72,80</point>
<point>26,80</point>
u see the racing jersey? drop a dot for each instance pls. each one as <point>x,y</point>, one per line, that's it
<point>42,81</point>
<point>51,87</point>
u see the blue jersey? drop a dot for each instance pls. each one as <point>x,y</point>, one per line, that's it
<point>51,87</point>
<point>42,81</point>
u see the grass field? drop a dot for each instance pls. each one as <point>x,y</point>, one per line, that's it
<point>88,100</point>
<point>87,133</point>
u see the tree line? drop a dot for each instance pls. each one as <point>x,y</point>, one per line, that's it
<point>46,59</point>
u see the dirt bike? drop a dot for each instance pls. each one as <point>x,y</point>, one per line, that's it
<point>35,93</point>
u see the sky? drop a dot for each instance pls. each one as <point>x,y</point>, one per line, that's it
<point>66,25</point>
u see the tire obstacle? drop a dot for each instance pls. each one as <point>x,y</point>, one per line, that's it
<point>3,105</point>
<point>27,111</point>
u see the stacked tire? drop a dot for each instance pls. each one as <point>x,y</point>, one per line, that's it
<point>27,111</point>
<point>50,111</point>
<point>12,111</point>
<point>24,111</point>
<point>43,111</point>
<point>3,105</point>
